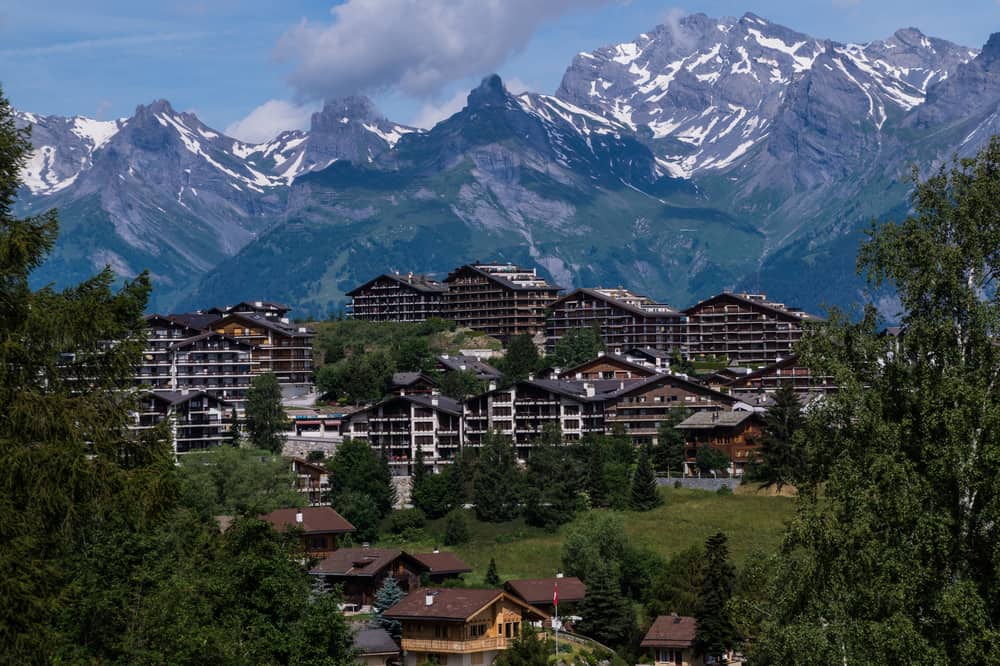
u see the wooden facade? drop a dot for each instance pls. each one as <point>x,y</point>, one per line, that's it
<point>640,409</point>
<point>737,434</point>
<point>460,627</point>
<point>624,319</point>
<point>501,300</point>
<point>395,297</point>
<point>281,348</point>
<point>609,366</point>
<point>745,328</point>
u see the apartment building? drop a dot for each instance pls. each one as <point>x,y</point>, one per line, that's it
<point>396,297</point>
<point>501,300</point>
<point>522,410</point>
<point>401,424</point>
<point>638,408</point>
<point>747,329</point>
<point>787,371</point>
<point>279,347</point>
<point>625,320</point>
<point>736,433</point>
<point>193,418</point>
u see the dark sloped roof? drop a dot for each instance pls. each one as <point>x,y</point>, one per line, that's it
<point>774,308</point>
<point>661,310</point>
<point>179,397</point>
<point>676,631</point>
<point>665,377</point>
<point>315,520</point>
<point>404,379</point>
<point>449,604</point>
<point>538,591</point>
<point>372,641</point>
<point>645,370</point>
<point>442,563</point>
<point>713,419</point>
<point>422,283</point>
<point>363,562</point>
<point>444,403</point>
<point>651,352</point>
<point>499,278</point>
<point>259,306</point>
<point>210,334</point>
<point>469,363</point>
<point>260,320</point>
<point>196,320</point>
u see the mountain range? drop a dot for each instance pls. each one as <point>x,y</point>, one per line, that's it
<point>703,155</point>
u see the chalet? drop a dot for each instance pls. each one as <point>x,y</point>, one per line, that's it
<point>625,320</point>
<point>747,329</point>
<point>736,433</point>
<point>609,366</point>
<point>641,407</point>
<point>786,371</point>
<point>194,418</point>
<point>400,424</point>
<point>361,571</point>
<point>541,592</point>
<point>281,348</point>
<point>501,300</point>
<point>312,480</point>
<point>321,527</point>
<point>375,647</point>
<point>463,363</point>
<point>395,297</point>
<point>412,383</point>
<point>441,566</point>
<point>671,641</point>
<point>460,627</point>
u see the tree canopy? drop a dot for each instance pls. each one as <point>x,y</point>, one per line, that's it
<point>895,555</point>
<point>266,418</point>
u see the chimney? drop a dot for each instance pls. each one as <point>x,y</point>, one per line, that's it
<point>556,371</point>
<point>429,598</point>
<point>436,550</point>
<point>600,353</point>
<point>559,574</point>
<point>588,389</point>
<point>298,517</point>
<point>493,386</point>
<point>435,400</point>
<point>531,376</point>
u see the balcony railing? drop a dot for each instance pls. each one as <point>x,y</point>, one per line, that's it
<point>461,647</point>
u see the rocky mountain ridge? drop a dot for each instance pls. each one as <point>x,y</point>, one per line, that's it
<point>704,154</point>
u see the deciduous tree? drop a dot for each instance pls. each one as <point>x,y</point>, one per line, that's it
<point>266,418</point>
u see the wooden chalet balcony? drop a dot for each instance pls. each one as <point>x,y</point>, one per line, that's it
<point>460,647</point>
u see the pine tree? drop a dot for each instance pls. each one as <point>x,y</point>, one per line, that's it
<point>550,483</point>
<point>492,577</point>
<point>456,528</point>
<point>358,469</point>
<point>266,419</point>
<point>781,458</point>
<point>497,489</point>
<point>716,632</point>
<point>645,491</point>
<point>520,360</point>
<point>417,477</point>
<point>388,595</point>
<point>669,454</point>
<point>607,614</point>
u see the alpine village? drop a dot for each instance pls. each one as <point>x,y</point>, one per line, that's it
<point>547,383</point>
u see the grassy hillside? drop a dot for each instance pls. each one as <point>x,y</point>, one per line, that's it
<point>688,517</point>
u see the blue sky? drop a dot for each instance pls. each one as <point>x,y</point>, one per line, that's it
<point>228,59</point>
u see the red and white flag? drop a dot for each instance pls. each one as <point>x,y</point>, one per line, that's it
<point>555,594</point>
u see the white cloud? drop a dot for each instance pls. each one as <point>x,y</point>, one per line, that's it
<point>416,47</point>
<point>269,120</point>
<point>431,113</point>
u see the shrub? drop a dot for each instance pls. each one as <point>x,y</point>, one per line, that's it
<point>724,490</point>
<point>456,529</point>
<point>405,520</point>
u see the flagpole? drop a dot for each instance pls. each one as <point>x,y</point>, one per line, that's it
<point>555,602</point>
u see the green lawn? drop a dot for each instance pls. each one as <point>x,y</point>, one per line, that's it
<point>752,522</point>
